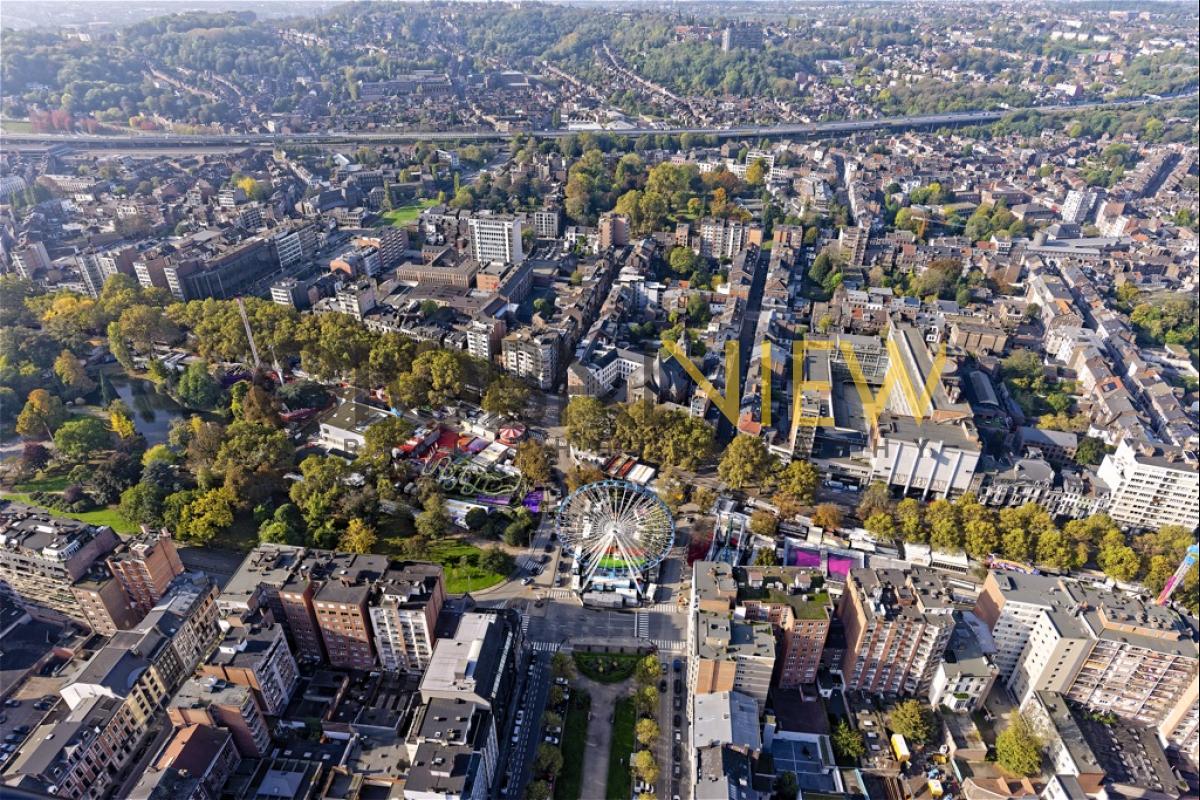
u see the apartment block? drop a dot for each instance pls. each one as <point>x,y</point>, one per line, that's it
<point>797,610</point>
<point>340,604</point>
<point>145,566</point>
<point>1010,604</point>
<point>256,655</point>
<point>533,355</point>
<point>103,602</point>
<point>965,676</point>
<point>1152,485</point>
<point>724,238</point>
<point>404,615</point>
<point>207,700</point>
<point>194,764</point>
<point>897,627</point>
<point>614,231</point>
<point>42,556</point>
<point>726,654</point>
<point>546,222</point>
<point>453,747</point>
<point>75,755</point>
<point>1113,653</point>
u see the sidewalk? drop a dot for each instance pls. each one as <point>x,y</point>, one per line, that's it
<point>599,734</point>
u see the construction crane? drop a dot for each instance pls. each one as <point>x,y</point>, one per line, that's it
<point>249,333</point>
<point>1189,560</point>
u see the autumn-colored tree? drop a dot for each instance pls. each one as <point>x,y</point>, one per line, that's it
<point>827,516</point>
<point>42,415</point>
<point>359,537</point>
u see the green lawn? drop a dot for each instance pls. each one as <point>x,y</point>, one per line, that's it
<point>618,785</point>
<point>102,516</point>
<point>606,668</point>
<point>405,215</point>
<point>569,785</point>
<point>51,483</point>
<point>449,552</point>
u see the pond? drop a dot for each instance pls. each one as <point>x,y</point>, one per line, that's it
<point>152,411</point>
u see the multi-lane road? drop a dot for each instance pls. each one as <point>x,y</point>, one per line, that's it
<point>332,137</point>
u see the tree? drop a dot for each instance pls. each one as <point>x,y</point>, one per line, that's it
<point>286,526</point>
<point>533,460</point>
<point>496,560</point>
<point>72,374</point>
<point>1019,748</point>
<point>646,732</point>
<point>945,533</point>
<point>34,456</point>
<point>704,498</point>
<point>876,499</point>
<point>317,496</point>
<point>827,516</point>
<point>1020,529</point>
<point>1118,560</point>
<point>746,461</point>
<point>765,557</point>
<point>786,786</point>
<point>911,720</point>
<point>881,525</point>
<point>434,521</point>
<point>682,260</point>
<point>800,480</point>
<point>848,742</point>
<point>257,406</point>
<point>1054,550</point>
<point>476,519</point>
<point>42,415</point>
<point>358,538</point>
<point>506,395</point>
<point>81,437</point>
<point>589,423</point>
<point>756,172</point>
<point>386,434</point>
<point>1089,451</point>
<point>562,666</point>
<point>197,388</point>
<point>119,421</point>
<point>537,790</point>
<point>763,523</point>
<point>548,760</point>
<point>645,700</point>
<point>643,765</point>
<point>911,521</point>
<point>205,516</point>
<point>649,670</point>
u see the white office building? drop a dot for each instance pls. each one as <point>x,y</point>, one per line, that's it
<point>496,238</point>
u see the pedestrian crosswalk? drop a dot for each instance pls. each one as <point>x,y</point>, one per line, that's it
<point>560,594</point>
<point>667,608</point>
<point>546,647</point>
<point>525,619</point>
<point>641,625</point>
<point>669,645</point>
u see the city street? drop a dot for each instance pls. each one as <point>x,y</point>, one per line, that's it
<point>535,688</point>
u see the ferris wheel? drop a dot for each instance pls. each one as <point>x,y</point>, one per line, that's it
<point>617,530</point>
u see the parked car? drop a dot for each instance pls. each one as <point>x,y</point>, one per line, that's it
<point>551,740</point>
<point>662,685</point>
<point>677,720</point>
